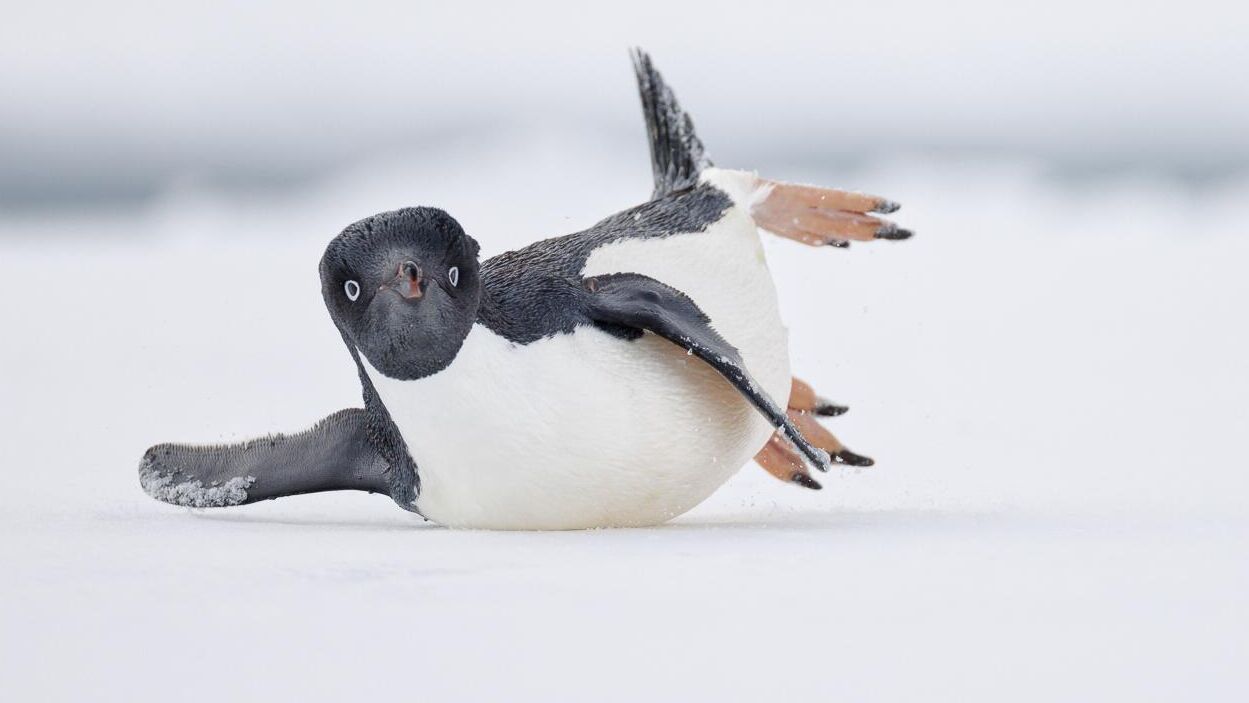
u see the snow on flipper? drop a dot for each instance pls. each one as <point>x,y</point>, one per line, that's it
<point>337,454</point>
<point>677,155</point>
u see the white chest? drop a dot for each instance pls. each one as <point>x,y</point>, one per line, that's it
<point>588,430</point>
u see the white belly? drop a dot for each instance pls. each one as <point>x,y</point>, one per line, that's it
<point>587,430</point>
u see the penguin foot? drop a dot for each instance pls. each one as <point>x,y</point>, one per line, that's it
<point>803,398</point>
<point>779,457</point>
<point>822,438</point>
<point>822,216</point>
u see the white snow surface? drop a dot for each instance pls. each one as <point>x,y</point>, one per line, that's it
<point>1051,377</point>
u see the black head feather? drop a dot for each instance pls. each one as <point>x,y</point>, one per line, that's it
<point>415,282</point>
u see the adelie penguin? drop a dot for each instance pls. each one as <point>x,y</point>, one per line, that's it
<point>612,377</point>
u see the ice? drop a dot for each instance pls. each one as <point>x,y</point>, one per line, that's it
<point>1050,377</point>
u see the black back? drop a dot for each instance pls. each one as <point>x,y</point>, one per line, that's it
<point>532,293</point>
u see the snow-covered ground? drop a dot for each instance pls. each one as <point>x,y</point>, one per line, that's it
<point>1051,376</point>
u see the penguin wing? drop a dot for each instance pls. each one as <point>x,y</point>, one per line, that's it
<point>627,304</point>
<point>335,454</point>
<point>677,155</point>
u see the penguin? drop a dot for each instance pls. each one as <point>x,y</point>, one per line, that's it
<point>613,377</point>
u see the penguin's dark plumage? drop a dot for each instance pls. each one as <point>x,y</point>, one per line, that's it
<point>677,154</point>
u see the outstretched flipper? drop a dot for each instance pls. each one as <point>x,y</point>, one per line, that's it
<point>334,455</point>
<point>628,303</point>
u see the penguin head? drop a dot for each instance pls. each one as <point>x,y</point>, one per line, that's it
<point>403,288</point>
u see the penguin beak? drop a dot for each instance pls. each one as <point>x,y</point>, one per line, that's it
<point>408,281</point>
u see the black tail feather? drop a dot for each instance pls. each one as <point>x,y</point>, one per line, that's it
<point>677,155</point>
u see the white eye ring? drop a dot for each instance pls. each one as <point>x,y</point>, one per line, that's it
<point>453,275</point>
<point>352,289</point>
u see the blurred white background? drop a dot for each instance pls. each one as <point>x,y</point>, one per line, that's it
<point>1051,375</point>
<point>118,100</point>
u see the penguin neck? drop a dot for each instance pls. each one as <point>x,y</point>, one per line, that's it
<point>478,336</point>
<point>387,439</point>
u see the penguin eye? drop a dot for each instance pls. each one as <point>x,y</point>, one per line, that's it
<point>352,289</point>
<point>453,275</point>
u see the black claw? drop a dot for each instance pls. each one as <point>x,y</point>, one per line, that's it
<point>848,457</point>
<point>806,481</point>
<point>893,232</point>
<point>840,244</point>
<point>827,409</point>
<point>886,206</point>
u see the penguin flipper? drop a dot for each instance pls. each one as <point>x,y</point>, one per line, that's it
<point>677,155</point>
<point>334,455</point>
<point>628,303</point>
